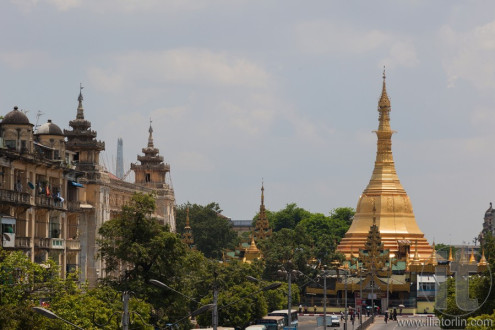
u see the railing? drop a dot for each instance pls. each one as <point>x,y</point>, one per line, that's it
<point>47,201</point>
<point>74,206</point>
<point>57,243</point>
<point>42,242</point>
<point>73,244</point>
<point>22,242</point>
<point>14,196</point>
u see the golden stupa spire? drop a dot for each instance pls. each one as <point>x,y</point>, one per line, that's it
<point>252,252</point>
<point>451,258</point>
<point>483,261</point>
<point>416,260</point>
<point>472,260</point>
<point>384,201</point>
<point>433,258</point>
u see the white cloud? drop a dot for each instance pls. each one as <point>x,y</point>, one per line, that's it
<point>180,66</point>
<point>321,37</point>
<point>61,5</point>
<point>402,53</point>
<point>25,59</point>
<point>194,161</point>
<point>470,55</point>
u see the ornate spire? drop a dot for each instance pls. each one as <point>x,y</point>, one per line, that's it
<point>433,258</point>
<point>187,236</point>
<point>262,227</point>
<point>472,260</point>
<point>150,138</point>
<point>262,193</point>
<point>384,100</point>
<point>80,109</point>
<point>451,258</point>
<point>416,260</point>
<point>483,261</point>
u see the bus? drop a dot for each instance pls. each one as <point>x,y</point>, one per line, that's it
<point>293,317</point>
<point>272,322</point>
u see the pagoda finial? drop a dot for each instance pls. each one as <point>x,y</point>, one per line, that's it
<point>150,138</point>
<point>384,100</point>
<point>80,109</point>
<point>433,258</point>
<point>262,192</point>
<point>483,261</point>
<point>472,260</point>
<point>451,258</point>
<point>187,217</point>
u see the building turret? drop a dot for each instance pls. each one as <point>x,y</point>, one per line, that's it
<point>82,140</point>
<point>153,173</point>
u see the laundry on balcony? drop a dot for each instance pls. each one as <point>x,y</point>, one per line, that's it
<point>76,184</point>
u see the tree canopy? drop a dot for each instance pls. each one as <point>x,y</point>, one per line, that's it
<point>211,230</point>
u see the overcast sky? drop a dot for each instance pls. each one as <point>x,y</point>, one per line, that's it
<point>281,90</point>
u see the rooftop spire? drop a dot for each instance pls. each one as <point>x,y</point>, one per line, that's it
<point>384,100</point>
<point>262,193</point>
<point>150,138</point>
<point>80,109</point>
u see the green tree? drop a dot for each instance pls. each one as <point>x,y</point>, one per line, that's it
<point>288,217</point>
<point>211,230</point>
<point>149,251</point>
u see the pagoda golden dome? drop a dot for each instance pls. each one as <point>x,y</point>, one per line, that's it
<point>386,199</point>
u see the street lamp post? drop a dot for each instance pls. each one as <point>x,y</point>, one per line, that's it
<point>345,300</point>
<point>52,315</point>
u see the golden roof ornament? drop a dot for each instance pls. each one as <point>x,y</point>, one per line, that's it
<point>384,100</point>
<point>433,258</point>
<point>483,261</point>
<point>451,258</point>
<point>252,252</point>
<point>472,259</point>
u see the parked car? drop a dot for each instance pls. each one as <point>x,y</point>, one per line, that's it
<point>335,322</point>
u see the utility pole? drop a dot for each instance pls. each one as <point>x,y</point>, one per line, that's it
<point>289,299</point>
<point>214,312</point>
<point>324,299</point>
<point>215,307</point>
<point>125,315</point>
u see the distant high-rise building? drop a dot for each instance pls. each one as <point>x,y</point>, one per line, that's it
<point>119,171</point>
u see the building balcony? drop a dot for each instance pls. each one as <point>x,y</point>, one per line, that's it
<point>73,244</point>
<point>22,242</point>
<point>57,243</point>
<point>15,197</point>
<point>49,202</point>
<point>42,242</point>
<point>74,206</point>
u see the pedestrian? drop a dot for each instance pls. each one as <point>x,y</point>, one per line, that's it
<point>305,309</point>
<point>341,315</point>
<point>395,314</point>
<point>300,309</point>
<point>386,316</point>
<point>314,309</point>
<point>400,311</point>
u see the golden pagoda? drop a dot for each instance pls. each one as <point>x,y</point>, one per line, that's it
<point>262,227</point>
<point>252,252</point>
<point>385,194</point>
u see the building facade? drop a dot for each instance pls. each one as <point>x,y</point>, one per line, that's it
<point>55,195</point>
